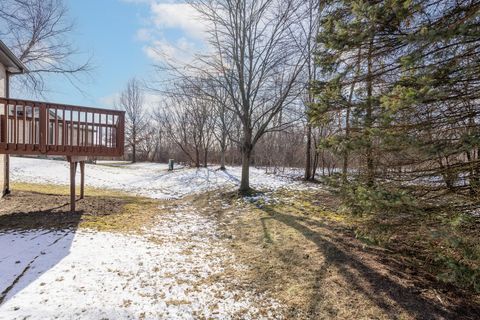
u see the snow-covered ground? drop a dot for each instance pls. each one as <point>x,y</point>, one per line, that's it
<point>100,275</point>
<point>147,179</point>
<point>175,270</point>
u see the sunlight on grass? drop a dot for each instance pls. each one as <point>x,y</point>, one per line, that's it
<point>132,215</point>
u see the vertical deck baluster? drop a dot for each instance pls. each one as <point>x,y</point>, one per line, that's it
<point>56,128</point>
<point>43,130</point>
<point>24,125</point>
<point>71,129</point>
<point>64,129</point>
<point>84,127</point>
<point>101,132</point>
<point>83,131</point>
<point>34,127</point>
<point>114,134</point>
<point>4,124</point>
<point>49,136</point>
<point>67,130</point>
<point>93,129</point>
<point>85,137</point>
<point>15,126</point>
<point>96,134</point>
<point>31,125</point>
<point>78,130</point>
<point>111,132</point>
<point>107,133</point>
<point>121,144</point>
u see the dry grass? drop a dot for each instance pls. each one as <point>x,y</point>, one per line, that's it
<point>316,261</point>
<point>47,206</point>
<point>303,252</point>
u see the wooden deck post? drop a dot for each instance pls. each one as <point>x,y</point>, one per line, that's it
<point>73,169</point>
<point>82,179</point>
<point>43,128</point>
<point>7,174</point>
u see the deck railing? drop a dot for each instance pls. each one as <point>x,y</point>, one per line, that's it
<point>33,127</point>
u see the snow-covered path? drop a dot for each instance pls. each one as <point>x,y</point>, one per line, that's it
<point>147,179</point>
<point>174,272</point>
<point>179,268</point>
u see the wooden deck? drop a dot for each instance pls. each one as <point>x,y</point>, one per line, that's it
<point>42,128</point>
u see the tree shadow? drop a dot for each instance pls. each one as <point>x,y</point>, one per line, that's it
<point>382,290</point>
<point>231,177</point>
<point>31,243</point>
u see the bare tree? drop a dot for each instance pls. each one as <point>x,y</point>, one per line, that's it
<point>189,119</point>
<point>310,27</point>
<point>256,59</point>
<point>224,118</point>
<point>223,123</point>
<point>37,31</point>
<point>177,127</point>
<point>132,101</point>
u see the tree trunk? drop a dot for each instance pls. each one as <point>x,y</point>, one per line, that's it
<point>476,178</point>
<point>205,158</point>
<point>308,154</point>
<point>245,182</point>
<point>247,149</point>
<point>347,120</point>
<point>315,165</point>
<point>197,158</point>
<point>134,153</point>
<point>472,185</point>
<point>345,152</point>
<point>369,121</point>
<point>323,162</point>
<point>222,158</point>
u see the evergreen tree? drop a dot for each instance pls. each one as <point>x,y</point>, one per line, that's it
<point>358,50</point>
<point>401,77</point>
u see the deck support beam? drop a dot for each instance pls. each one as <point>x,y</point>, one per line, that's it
<point>7,174</point>
<point>73,169</point>
<point>74,161</point>
<point>82,179</point>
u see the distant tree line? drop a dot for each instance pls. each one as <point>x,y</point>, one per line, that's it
<point>381,96</point>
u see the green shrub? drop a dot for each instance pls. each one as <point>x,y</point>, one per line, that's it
<point>458,273</point>
<point>361,199</point>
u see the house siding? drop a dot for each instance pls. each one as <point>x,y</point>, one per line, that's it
<point>3,168</point>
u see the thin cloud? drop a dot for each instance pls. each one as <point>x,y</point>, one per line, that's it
<point>178,16</point>
<point>151,100</point>
<point>173,31</point>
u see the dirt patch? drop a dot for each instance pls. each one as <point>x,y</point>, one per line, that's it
<point>32,206</point>
<point>308,257</point>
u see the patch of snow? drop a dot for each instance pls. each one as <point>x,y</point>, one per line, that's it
<point>147,179</point>
<point>179,268</point>
<point>261,199</point>
<point>175,271</point>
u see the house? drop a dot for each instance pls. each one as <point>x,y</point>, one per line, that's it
<point>51,129</point>
<point>9,65</point>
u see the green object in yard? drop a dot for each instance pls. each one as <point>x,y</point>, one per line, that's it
<point>170,164</point>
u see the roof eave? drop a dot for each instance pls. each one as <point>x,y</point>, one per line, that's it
<point>16,66</point>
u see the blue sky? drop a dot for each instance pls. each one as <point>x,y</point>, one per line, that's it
<point>124,37</point>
